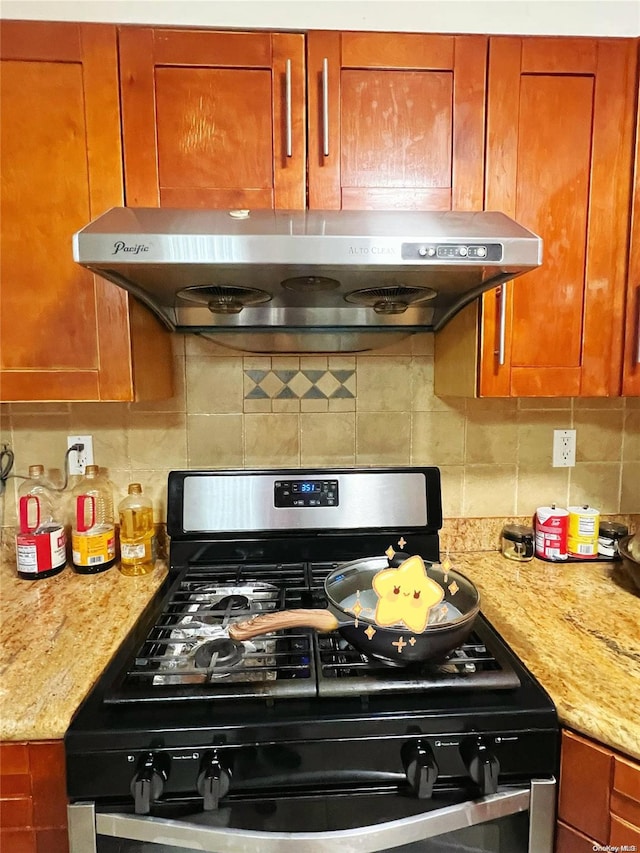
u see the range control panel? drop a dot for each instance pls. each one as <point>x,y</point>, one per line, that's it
<point>452,251</point>
<point>303,493</point>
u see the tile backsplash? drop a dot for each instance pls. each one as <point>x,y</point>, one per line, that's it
<point>234,410</point>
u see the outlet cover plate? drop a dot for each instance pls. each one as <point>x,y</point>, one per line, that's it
<point>564,448</point>
<point>79,459</point>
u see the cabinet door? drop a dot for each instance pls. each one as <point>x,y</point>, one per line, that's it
<point>559,144</point>
<point>631,364</point>
<point>586,772</point>
<point>213,119</point>
<point>65,334</point>
<point>396,121</point>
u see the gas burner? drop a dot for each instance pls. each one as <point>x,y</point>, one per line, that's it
<point>218,656</point>
<point>233,602</point>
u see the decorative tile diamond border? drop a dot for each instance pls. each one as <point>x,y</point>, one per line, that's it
<point>299,384</point>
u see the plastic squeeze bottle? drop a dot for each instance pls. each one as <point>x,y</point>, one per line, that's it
<point>135,513</point>
<point>93,535</point>
<point>41,540</point>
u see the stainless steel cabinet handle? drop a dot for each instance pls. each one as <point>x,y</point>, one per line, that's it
<point>325,107</point>
<point>288,108</point>
<point>365,839</point>
<point>502,296</point>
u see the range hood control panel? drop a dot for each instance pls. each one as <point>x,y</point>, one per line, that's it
<point>303,493</point>
<point>452,251</point>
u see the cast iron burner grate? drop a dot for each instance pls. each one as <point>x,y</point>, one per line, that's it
<point>188,654</point>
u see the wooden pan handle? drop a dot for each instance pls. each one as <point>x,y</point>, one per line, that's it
<point>321,620</point>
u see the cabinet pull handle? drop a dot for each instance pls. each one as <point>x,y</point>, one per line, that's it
<point>325,107</point>
<point>502,296</point>
<point>287,95</point>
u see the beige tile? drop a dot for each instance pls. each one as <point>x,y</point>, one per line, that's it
<point>178,345</point>
<point>504,408</point>
<point>535,436</point>
<point>383,438</point>
<point>541,486</point>
<point>631,445</point>
<point>492,436</point>
<point>632,403</point>
<point>272,385</point>
<point>256,362</point>
<point>437,438</point>
<point>271,441</point>
<point>598,435</point>
<point>582,403</point>
<point>422,396</point>
<point>527,403</point>
<point>489,490</point>
<point>287,362</point>
<point>392,348</point>
<point>327,439</point>
<point>342,404</point>
<point>260,405</point>
<point>630,492</point>
<point>107,423</point>
<point>176,403</point>
<point>596,484</point>
<point>214,441</point>
<point>423,344</point>
<point>313,362</point>
<point>39,440</point>
<point>452,478</point>
<point>314,405</point>
<point>157,441</point>
<point>36,408</point>
<point>214,385</point>
<point>200,347</point>
<point>341,362</point>
<point>286,405</point>
<point>384,384</point>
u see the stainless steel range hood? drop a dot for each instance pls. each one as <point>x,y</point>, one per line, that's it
<point>305,281</point>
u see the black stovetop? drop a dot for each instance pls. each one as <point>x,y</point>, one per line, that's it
<point>177,689</point>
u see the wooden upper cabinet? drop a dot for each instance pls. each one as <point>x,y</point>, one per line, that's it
<point>559,147</point>
<point>64,333</point>
<point>213,119</point>
<point>631,362</point>
<point>396,121</point>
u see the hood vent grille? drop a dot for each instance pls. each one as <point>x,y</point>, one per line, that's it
<point>224,300</point>
<point>391,300</point>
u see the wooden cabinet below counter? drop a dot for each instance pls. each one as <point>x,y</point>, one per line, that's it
<point>33,802</point>
<point>599,798</point>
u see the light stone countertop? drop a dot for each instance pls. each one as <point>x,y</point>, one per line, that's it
<point>572,625</point>
<point>57,635</point>
<point>578,632</point>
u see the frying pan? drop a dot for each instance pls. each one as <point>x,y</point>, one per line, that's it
<point>352,602</point>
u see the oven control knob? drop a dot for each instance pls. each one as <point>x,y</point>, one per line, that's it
<point>147,785</point>
<point>482,764</point>
<point>420,767</point>
<point>213,783</point>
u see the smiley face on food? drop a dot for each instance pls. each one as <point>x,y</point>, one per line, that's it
<point>406,595</point>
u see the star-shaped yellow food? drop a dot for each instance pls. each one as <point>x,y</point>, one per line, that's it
<point>406,595</point>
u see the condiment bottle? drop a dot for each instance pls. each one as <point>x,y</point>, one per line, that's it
<point>93,536</point>
<point>135,513</point>
<point>41,541</point>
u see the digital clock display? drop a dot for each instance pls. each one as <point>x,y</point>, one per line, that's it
<point>306,493</point>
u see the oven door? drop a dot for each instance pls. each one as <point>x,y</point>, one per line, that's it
<point>514,820</point>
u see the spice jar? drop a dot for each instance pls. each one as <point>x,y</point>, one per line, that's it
<point>517,542</point>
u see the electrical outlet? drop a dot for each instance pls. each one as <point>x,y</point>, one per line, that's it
<point>564,448</point>
<point>79,459</point>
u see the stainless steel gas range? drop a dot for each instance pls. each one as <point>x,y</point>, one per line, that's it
<point>294,741</point>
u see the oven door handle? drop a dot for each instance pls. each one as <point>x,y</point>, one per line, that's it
<point>366,839</point>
